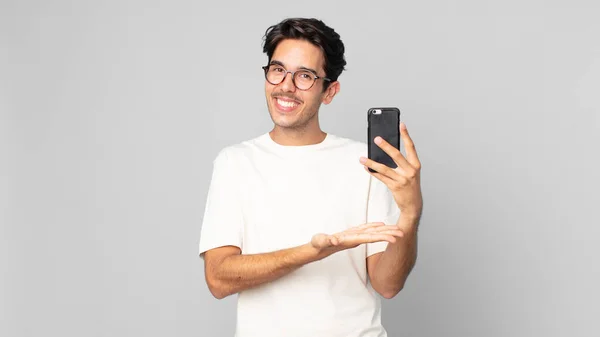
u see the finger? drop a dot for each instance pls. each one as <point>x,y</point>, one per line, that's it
<point>394,232</point>
<point>389,182</point>
<point>379,167</point>
<point>360,238</point>
<point>382,237</point>
<point>372,238</point>
<point>365,226</point>
<point>383,228</point>
<point>409,145</point>
<point>393,152</point>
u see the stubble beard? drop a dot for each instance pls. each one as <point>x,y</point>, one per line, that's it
<point>299,124</point>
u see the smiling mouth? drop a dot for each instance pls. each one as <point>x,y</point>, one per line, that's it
<point>286,104</point>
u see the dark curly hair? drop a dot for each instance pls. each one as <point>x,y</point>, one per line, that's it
<point>315,32</point>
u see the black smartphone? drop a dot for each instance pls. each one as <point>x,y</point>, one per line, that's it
<point>383,122</point>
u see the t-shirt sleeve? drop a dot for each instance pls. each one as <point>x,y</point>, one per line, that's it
<point>381,207</point>
<point>222,224</point>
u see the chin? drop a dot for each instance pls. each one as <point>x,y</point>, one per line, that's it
<point>286,119</point>
<point>285,122</point>
<point>294,118</point>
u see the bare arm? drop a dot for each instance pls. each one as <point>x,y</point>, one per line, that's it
<point>227,271</point>
<point>388,271</point>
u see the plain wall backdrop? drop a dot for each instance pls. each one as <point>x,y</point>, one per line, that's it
<point>112,112</point>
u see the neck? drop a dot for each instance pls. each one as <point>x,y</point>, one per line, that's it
<point>297,137</point>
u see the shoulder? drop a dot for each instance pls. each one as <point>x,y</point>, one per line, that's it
<point>234,152</point>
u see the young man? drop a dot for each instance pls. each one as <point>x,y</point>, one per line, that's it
<point>294,223</point>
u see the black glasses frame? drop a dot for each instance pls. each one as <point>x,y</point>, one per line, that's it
<point>315,77</point>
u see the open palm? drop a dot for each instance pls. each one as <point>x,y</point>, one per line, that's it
<point>355,236</point>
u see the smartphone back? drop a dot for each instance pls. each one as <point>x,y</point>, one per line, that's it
<point>383,122</point>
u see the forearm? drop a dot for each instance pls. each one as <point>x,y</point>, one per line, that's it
<point>398,260</point>
<point>240,272</point>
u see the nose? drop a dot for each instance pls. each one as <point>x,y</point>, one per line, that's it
<point>288,83</point>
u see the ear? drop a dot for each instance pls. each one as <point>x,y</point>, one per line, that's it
<point>331,91</point>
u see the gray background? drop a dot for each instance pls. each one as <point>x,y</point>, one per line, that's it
<point>112,111</point>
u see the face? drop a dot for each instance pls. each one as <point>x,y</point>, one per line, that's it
<point>290,107</point>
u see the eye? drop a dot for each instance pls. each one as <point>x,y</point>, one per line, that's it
<point>305,76</point>
<point>277,69</point>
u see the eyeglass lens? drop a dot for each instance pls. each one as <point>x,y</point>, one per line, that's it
<point>303,79</point>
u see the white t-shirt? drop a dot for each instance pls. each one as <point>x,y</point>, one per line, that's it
<point>264,197</point>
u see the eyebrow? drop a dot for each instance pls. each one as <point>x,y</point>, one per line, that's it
<point>301,67</point>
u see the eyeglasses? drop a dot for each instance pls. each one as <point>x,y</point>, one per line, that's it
<point>302,79</point>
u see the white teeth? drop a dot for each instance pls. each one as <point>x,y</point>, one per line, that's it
<point>286,104</point>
